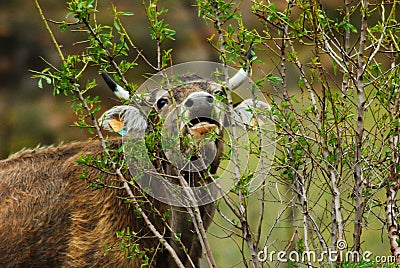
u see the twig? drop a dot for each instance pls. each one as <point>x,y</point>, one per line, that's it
<point>126,35</point>
<point>49,30</point>
<point>148,222</point>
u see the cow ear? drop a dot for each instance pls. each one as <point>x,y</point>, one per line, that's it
<point>123,119</point>
<point>251,113</point>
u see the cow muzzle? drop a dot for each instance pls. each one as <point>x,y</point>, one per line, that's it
<point>200,111</point>
<point>198,134</point>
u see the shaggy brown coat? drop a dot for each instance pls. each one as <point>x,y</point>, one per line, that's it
<point>50,217</point>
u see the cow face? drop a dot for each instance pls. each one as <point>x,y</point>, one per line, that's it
<point>191,116</point>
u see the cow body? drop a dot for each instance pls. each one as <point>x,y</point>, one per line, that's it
<point>51,217</point>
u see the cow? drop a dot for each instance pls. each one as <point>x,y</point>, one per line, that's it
<point>51,217</point>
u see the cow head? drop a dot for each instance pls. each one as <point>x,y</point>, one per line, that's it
<point>185,113</point>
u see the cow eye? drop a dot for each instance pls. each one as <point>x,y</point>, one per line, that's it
<point>161,103</point>
<point>220,93</point>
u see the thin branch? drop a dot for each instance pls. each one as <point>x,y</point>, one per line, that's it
<point>49,30</point>
<point>358,176</point>
<point>392,187</point>
<point>148,222</point>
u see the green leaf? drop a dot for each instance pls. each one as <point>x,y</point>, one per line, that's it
<point>275,79</point>
<point>126,13</point>
<point>116,26</point>
<point>40,84</point>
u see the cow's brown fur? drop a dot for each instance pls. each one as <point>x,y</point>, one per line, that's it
<point>49,217</point>
<point>47,213</point>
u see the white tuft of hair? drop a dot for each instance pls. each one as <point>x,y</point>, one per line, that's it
<point>132,119</point>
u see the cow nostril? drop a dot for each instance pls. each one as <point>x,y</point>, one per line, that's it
<point>210,99</point>
<point>193,158</point>
<point>189,103</point>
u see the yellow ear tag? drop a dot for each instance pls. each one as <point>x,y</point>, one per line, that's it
<point>116,125</point>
